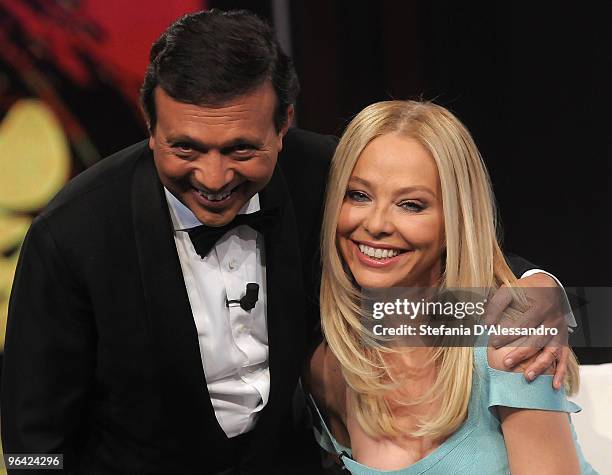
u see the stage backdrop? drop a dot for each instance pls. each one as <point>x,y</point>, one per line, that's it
<point>70,73</point>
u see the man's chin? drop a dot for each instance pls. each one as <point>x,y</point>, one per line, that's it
<point>216,220</point>
<point>216,217</point>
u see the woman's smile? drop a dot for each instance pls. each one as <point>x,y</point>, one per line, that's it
<point>379,255</point>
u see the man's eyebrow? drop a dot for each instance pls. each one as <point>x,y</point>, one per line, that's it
<point>198,144</point>
<point>186,139</point>
<point>406,189</point>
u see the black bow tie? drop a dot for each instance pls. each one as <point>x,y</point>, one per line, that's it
<point>204,237</point>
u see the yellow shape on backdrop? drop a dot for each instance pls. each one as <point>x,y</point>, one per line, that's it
<point>34,165</point>
<point>34,156</point>
<point>12,231</point>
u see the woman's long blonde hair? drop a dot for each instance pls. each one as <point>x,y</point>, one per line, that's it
<point>473,258</point>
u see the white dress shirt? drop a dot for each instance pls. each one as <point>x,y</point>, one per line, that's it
<point>233,342</point>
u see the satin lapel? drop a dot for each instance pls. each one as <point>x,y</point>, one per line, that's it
<point>285,302</point>
<point>182,381</point>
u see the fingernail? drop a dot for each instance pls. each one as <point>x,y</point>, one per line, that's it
<point>508,362</point>
<point>530,375</point>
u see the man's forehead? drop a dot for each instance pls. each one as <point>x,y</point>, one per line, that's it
<point>252,112</point>
<point>261,98</point>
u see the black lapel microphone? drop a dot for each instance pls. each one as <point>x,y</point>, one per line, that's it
<point>248,301</point>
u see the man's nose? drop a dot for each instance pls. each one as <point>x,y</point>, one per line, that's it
<point>213,171</point>
<point>378,222</point>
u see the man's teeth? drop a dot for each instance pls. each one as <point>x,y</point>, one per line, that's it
<point>378,253</point>
<point>215,197</point>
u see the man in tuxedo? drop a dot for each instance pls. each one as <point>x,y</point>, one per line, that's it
<point>133,344</point>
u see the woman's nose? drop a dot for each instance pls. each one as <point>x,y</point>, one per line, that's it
<point>378,222</point>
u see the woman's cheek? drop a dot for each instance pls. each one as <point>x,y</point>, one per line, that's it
<point>350,217</point>
<point>427,231</point>
<point>342,225</point>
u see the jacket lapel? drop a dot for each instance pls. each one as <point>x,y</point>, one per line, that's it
<point>285,310</point>
<point>182,382</point>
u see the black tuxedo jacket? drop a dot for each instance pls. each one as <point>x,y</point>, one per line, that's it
<point>102,361</point>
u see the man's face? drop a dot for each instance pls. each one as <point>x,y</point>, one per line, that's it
<point>215,158</point>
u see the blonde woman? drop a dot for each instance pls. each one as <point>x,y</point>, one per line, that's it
<point>409,204</point>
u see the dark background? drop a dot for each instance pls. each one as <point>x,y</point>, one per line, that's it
<point>532,86</point>
<point>531,82</point>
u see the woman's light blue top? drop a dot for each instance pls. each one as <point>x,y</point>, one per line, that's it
<point>478,445</point>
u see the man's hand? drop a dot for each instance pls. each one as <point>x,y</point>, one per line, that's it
<point>545,308</point>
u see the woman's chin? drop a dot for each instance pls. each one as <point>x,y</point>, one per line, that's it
<point>377,283</point>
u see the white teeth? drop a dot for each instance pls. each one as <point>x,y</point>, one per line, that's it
<point>215,197</point>
<point>378,253</point>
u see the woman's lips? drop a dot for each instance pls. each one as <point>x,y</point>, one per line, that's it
<point>374,262</point>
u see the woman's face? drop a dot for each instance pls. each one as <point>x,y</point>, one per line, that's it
<point>391,226</point>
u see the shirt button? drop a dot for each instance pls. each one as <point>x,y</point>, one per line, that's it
<point>232,264</point>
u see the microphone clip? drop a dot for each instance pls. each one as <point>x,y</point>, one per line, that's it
<point>248,300</point>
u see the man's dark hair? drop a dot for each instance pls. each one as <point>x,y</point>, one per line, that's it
<point>209,57</point>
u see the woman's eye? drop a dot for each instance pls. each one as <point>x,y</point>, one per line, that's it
<point>412,206</point>
<point>358,196</point>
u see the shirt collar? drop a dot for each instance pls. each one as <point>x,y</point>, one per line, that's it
<point>183,218</point>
